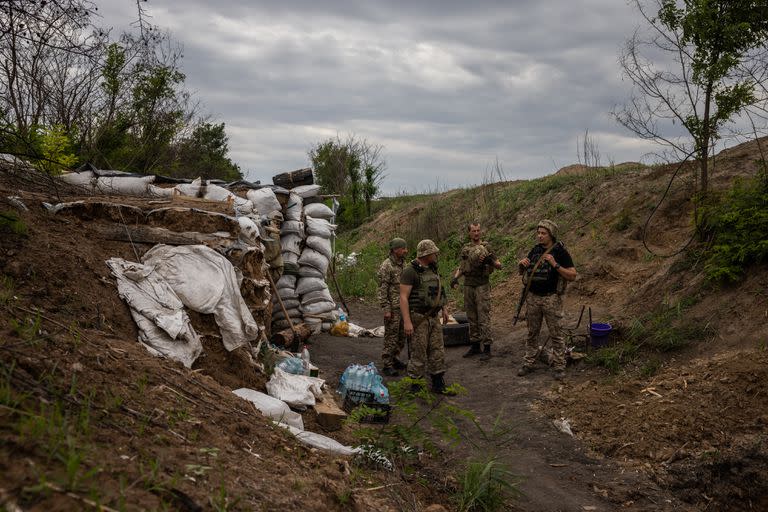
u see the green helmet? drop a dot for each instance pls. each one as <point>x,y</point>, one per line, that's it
<point>425,248</point>
<point>549,226</point>
<point>397,243</point>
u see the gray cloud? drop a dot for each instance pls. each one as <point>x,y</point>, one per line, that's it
<point>447,87</point>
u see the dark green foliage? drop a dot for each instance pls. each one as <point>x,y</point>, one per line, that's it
<point>204,154</point>
<point>10,222</point>
<point>487,486</point>
<point>737,225</point>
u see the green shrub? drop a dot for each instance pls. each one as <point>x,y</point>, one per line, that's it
<point>486,486</point>
<point>736,223</point>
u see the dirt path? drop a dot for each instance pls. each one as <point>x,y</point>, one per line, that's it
<point>558,471</point>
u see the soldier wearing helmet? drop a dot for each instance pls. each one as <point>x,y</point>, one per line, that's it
<point>476,264</point>
<point>547,267</point>
<point>388,277</point>
<point>422,297</point>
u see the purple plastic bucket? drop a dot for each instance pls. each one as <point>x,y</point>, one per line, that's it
<point>599,333</point>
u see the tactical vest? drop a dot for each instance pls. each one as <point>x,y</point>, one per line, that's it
<point>423,298</point>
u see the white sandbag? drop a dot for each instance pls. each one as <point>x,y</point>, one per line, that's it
<point>288,303</point>
<point>264,200</point>
<point>292,226</point>
<point>306,190</point>
<point>243,206</point>
<point>290,258</point>
<point>217,193</point>
<point>317,296</point>
<point>286,281</point>
<point>318,308</point>
<point>305,285</point>
<point>81,179</point>
<point>295,390</point>
<point>271,407</point>
<point>321,245</point>
<point>321,442</point>
<point>164,327</point>
<point>326,326</point>
<point>206,282</point>
<point>290,242</point>
<point>294,207</point>
<point>280,315</point>
<point>287,293</point>
<point>308,271</point>
<point>313,258</point>
<point>128,186</point>
<point>189,189</point>
<point>155,191</point>
<point>249,231</point>
<point>318,211</point>
<point>319,227</point>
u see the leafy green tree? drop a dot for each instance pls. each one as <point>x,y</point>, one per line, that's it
<point>717,73</point>
<point>204,154</point>
<point>352,169</point>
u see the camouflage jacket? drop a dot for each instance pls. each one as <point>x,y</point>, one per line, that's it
<point>388,277</point>
<point>473,266</point>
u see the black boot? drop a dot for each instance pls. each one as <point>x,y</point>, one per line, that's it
<point>474,349</point>
<point>486,353</point>
<point>438,386</point>
<point>399,365</point>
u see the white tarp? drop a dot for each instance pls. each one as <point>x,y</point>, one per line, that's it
<point>164,327</point>
<point>206,282</point>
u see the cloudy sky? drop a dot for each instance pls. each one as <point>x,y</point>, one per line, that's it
<point>447,87</point>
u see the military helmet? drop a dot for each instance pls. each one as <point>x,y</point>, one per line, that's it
<point>397,243</point>
<point>425,248</point>
<point>549,226</point>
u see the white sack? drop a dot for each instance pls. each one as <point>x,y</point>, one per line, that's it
<point>313,258</point>
<point>287,293</point>
<point>279,315</point>
<point>288,303</point>
<point>217,193</point>
<point>309,284</point>
<point>318,308</point>
<point>155,191</point>
<point>206,282</point>
<point>307,271</point>
<point>306,190</point>
<point>318,211</point>
<point>189,189</point>
<point>164,327</point>
<point>286,281</point>
<point>290,242</point>
<point>319,227</point>
<point>317,296</point>
<point>249,231</point>
<point>321,442</point>
<point>321,245</point>
<point>295,390</point>
<point>81,179</point>
<point>294,207</point>
<point>264,200</point>
<point>292,226</point>
<point>271,407</point>
<point>130,186</point>
<point>290,258</point>
<point>243,206</point>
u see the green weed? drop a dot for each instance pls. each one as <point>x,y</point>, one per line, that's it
<point>487,486</point>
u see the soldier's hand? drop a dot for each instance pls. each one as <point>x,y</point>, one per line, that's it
<point>408,328</point>
<point>524,262</point>
<point>454,282</point>
<point>387,316</point>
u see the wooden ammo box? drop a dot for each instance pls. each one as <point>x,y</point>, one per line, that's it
<point>455,334</point>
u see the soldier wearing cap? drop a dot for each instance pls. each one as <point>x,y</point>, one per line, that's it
<point>422,298</point>
<point>544,301</point>
<point>476,264</point>
<point>388,277</point>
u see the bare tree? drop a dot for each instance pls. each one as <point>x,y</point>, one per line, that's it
<point>696,70</point>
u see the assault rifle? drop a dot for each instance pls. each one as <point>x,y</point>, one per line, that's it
<point>528,284</point>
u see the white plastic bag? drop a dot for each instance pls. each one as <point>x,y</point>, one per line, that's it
<point>271,407</point>
<point>295,390</point>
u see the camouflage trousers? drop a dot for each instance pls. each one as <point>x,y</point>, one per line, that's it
<point>477,303</point>
<point>394,339</point>
<point>549,308</point>
<point>427,349</point>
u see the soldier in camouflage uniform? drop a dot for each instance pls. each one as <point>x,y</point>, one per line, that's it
<point>544,299</point>
<point>422,297</point>
<point>388,277</point>
<point>477,263</point>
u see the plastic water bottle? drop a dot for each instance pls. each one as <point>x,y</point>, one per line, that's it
<point>305,362</point>
<point>342,315</point>
<point>367,383</point>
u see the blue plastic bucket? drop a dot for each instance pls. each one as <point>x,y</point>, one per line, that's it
<point>598,334</point>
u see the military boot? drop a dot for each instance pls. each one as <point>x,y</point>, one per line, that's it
<point>486,353</point>
<point>438,386</point>
<point>399,365</point>
<point>474,349</point>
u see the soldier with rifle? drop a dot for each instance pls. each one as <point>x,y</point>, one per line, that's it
<point>422,298</point>
<point>477,263</point>
<point>546,271</point>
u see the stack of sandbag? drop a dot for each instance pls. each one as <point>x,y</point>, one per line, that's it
<point>286,290</point>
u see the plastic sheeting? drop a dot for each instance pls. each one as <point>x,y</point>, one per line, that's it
<point>164,327</point>
<point>206,282</point>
